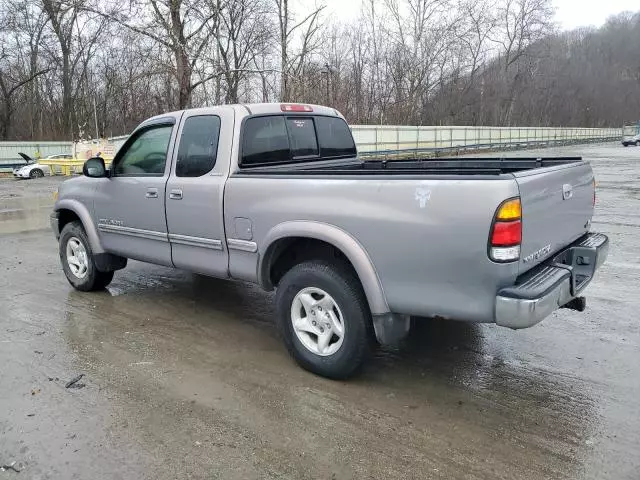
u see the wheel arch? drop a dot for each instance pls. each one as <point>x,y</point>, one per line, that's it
<point>70,210</point>
<point>283,237</point>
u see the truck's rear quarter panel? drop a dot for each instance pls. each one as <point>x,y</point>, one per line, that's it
<point>430,255</point>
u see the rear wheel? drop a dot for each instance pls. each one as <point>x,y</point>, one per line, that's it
<point>324,318</point>
<point>36,173</point>
<point>77,260</point>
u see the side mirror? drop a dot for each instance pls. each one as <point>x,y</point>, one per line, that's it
<point>94,168</point>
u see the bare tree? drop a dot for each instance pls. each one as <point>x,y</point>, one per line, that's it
<point>183,27</point>
<point>18,63</point>
<point>523,22</point>
<point>10,84</point>
<point>243,37</point>
<point>305,32</point>
<point>68,68</point>
<point>77,39</point>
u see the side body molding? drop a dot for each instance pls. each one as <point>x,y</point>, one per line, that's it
<point>85,217</point>
<point>335,236</point>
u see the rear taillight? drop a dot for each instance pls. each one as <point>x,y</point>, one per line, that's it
<point>506,232</point>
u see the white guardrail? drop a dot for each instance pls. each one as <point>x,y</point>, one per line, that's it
<point>375,140</point>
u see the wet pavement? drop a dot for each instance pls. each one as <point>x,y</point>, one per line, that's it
<point>185,376</point>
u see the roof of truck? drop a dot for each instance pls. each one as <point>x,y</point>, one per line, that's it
<point>251,109</point>
<point>262,108</point>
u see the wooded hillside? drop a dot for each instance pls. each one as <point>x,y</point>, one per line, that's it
<point>76,68</point>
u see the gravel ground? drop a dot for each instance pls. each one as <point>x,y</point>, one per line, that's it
<point>185,377</point>
<point>36,187</point>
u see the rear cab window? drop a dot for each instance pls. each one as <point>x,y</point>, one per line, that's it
<point>281,139</point>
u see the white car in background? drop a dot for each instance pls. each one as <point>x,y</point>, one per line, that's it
<point>34,169</point>
<point>631,140</point>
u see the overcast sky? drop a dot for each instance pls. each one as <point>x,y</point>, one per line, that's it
<point>579,13</point>
<point>569,13</point>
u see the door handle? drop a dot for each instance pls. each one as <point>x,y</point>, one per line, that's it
<point>152,193</point>
<point>175,194</point>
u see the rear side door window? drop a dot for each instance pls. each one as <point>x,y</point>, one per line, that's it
<point>198,146</point>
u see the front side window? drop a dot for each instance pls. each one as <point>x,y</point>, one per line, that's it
<point>146,155</point>
<point>198,146</point>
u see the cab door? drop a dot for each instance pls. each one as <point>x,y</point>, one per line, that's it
<point>129,205</point>
<point>195,191</point>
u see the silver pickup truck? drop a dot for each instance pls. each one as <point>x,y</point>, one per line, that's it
<point>276,195</point>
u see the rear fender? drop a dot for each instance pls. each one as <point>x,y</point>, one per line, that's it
<point>340,239</point>
<point>87,222</point>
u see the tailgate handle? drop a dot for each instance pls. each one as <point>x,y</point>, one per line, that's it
<point>567,191</point>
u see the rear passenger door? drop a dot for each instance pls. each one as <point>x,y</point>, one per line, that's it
<point>194,195</point>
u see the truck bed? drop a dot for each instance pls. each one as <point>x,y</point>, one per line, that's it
<point>421,166</point>
<point>437,211</point>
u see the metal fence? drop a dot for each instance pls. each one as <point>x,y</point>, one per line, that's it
<point>9,151</point>
<point>382,140</point>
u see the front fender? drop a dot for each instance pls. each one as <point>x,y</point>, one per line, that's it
<point>85,217</point>
<point>340,239</point>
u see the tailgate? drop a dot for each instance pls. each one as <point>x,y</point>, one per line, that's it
<point>557,206</point>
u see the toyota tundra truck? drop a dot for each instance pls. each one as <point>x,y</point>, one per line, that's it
<point>275,194</point>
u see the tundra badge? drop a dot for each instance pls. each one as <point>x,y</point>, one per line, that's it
<point>538,254</point>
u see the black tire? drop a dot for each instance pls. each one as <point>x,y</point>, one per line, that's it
<point>36,173</point>
<point>93,279</point>
<point>625,144</point>
<point>344,287</point>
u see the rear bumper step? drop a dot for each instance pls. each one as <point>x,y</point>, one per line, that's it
<point>551,285</point>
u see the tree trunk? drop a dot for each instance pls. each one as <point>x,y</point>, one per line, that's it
<point>183,65</point>
<point>5,119</point>
<point>183,72</point>
<point>5,113</point>
<point>67,100</point>
<point>284,60</point>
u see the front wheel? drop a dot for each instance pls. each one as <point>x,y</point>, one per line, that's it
<point>77,260</point>
<point>36,173</point>
<point>324,318</point>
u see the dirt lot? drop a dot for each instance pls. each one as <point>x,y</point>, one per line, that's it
<point>185,377</point>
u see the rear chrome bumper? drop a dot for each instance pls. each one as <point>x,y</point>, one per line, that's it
<point>551,285</point>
